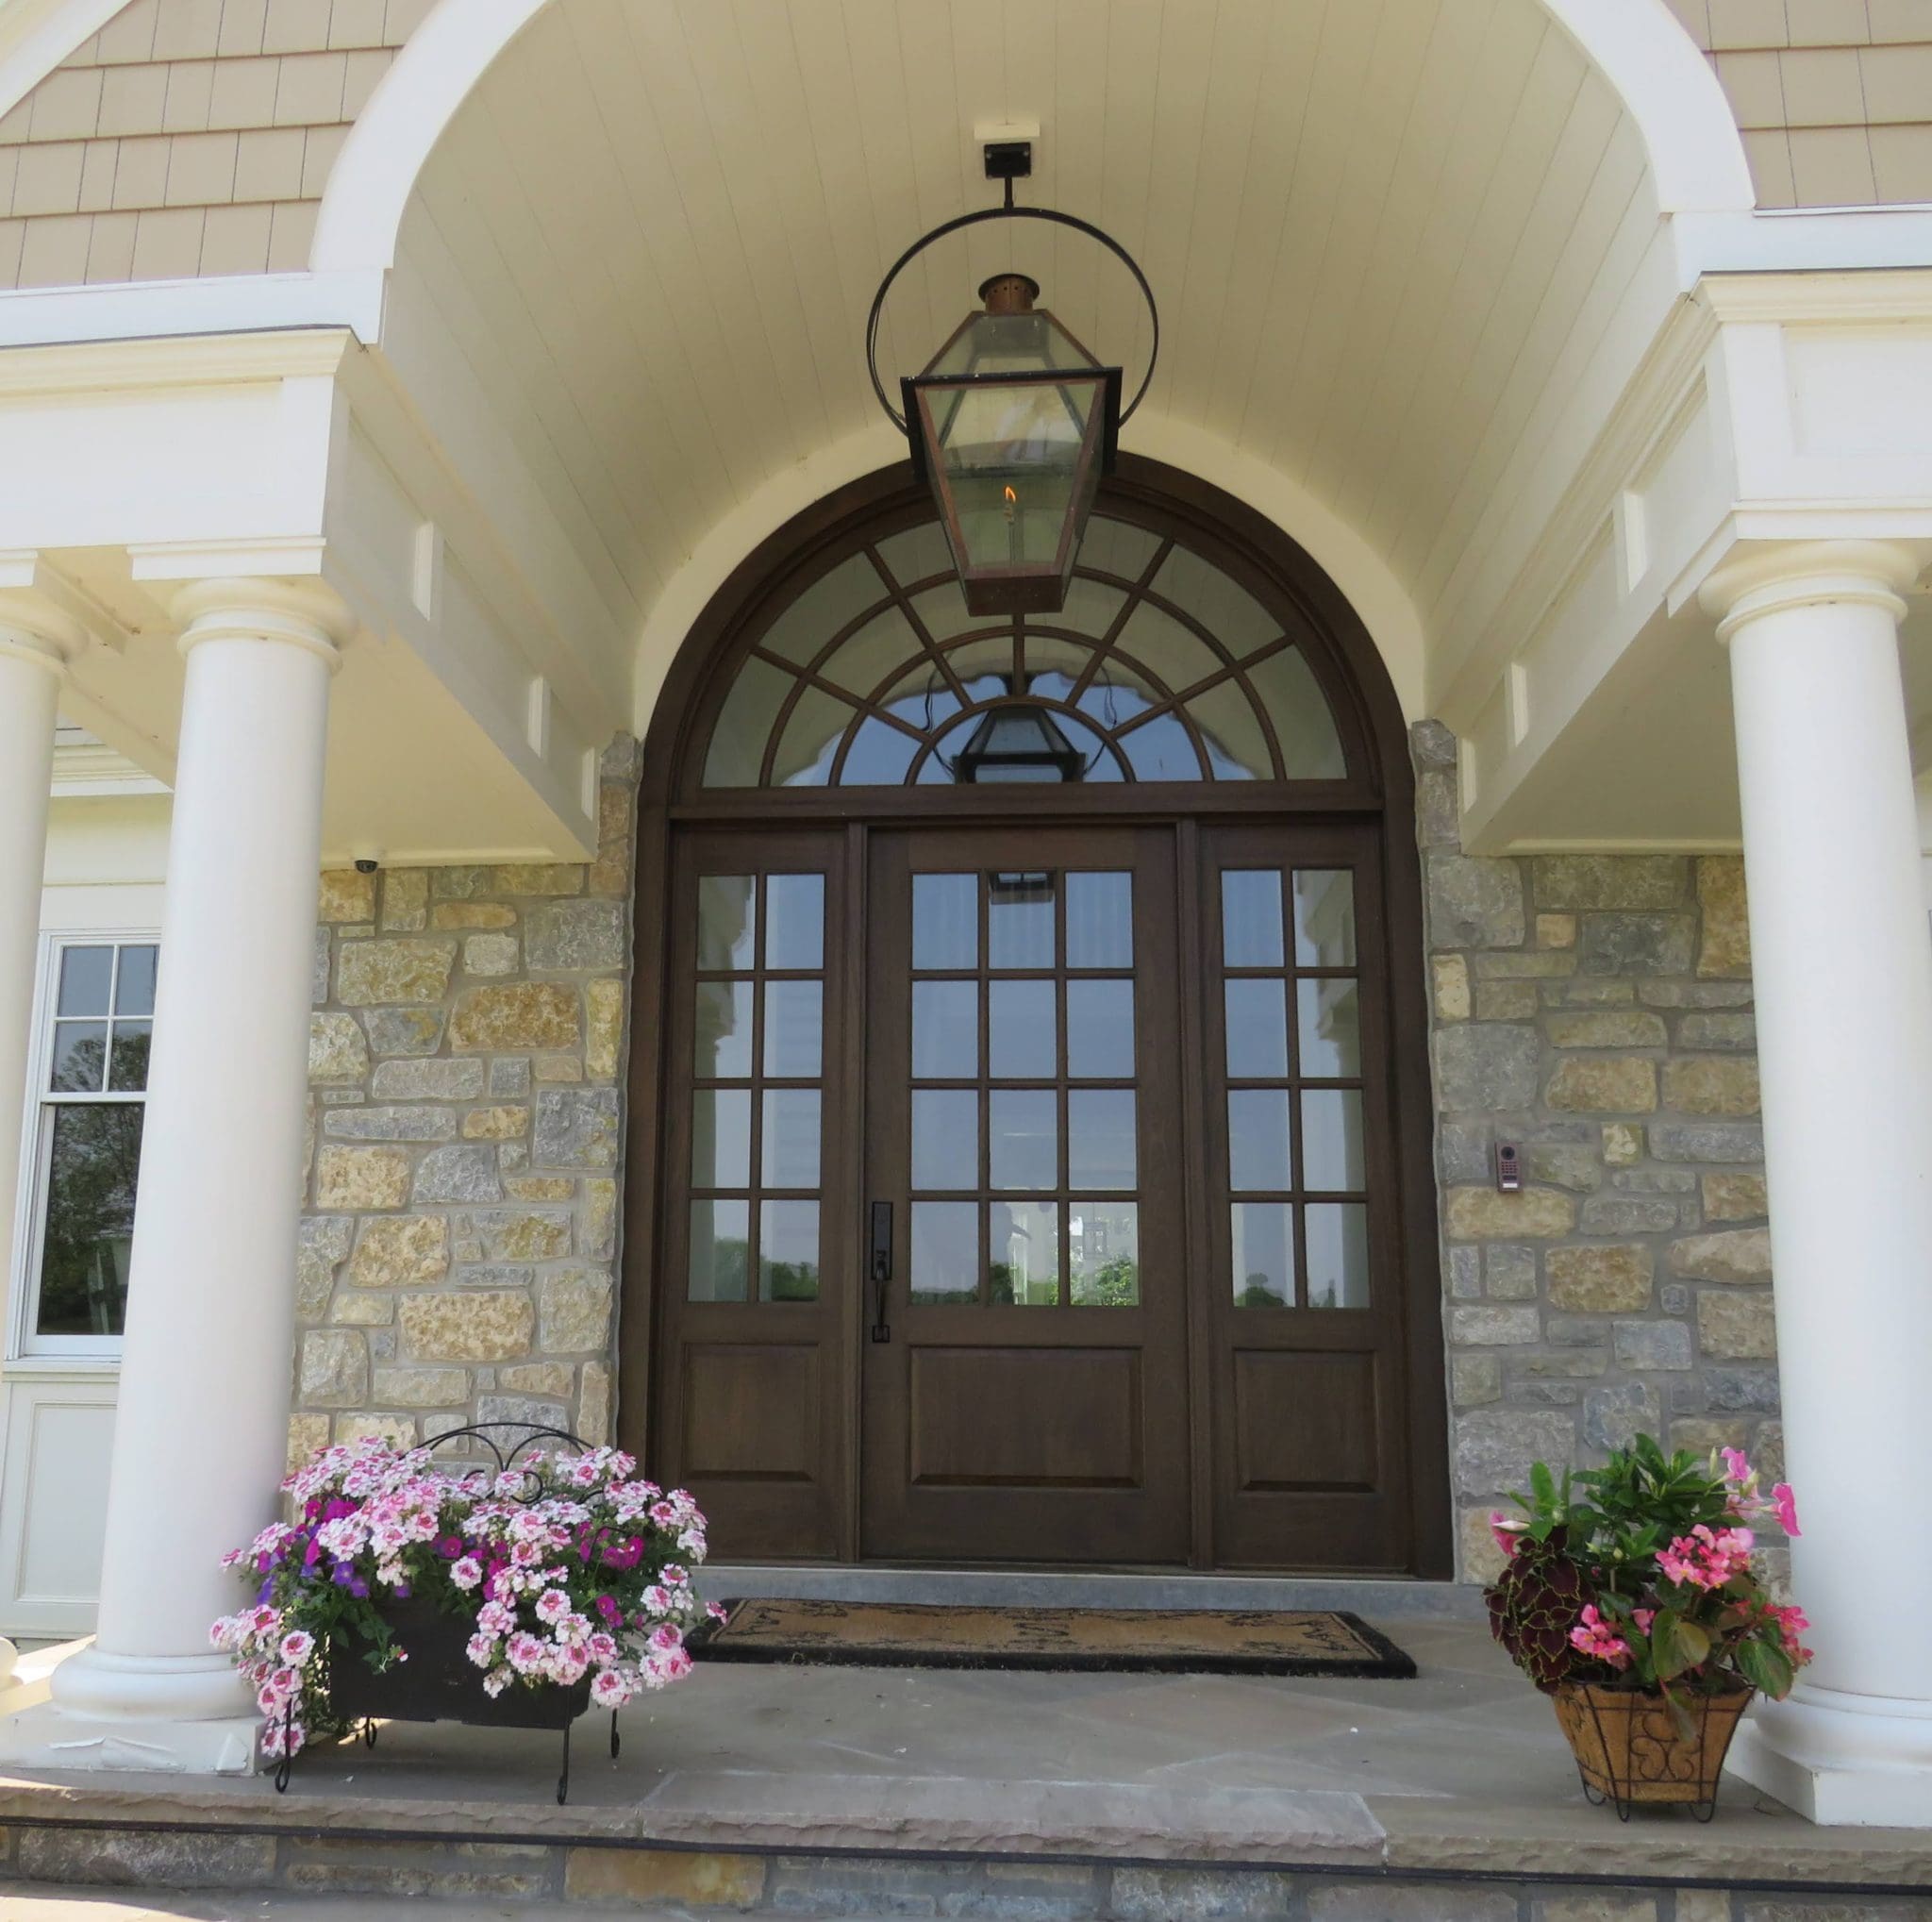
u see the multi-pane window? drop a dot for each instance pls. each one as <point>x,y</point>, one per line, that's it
<point>92,1078</point>
<point>1025,1136</point>
<point>758,1088</point>
<point>1297,1186</point>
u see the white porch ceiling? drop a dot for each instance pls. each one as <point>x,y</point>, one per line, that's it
<point>1373,227</point>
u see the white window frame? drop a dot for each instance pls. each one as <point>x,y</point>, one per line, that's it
<point>24,1342</point>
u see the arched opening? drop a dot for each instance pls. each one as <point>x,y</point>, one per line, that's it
<point>1030,1147</point>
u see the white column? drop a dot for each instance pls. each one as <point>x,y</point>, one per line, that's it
<point>1843,974</point>
<point>201,1431</point>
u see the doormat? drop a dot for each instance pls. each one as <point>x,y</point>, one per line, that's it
<point>1166,1640</point>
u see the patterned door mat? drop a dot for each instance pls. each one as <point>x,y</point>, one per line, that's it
<point>1171,1641</point>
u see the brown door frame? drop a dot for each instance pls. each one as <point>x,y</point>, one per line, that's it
<point>1380,789</point>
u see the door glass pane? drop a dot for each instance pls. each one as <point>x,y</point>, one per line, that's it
<point>1263,1239</point>
<point>1257,1028</point>
<point>720,1233</point>
<point>721,1137</point>
<point>945,1138</point>
<point>945,1031</point>
<point>127,1064</point>
<point>945,921</point>
<point>1101,1150</point>
<point>1023,1030</point>
<point>80,1057</point>
<point>1330,1028</point>
<point>94,1157</point>
<point>1025,1144</point>
<point>945,1251</point>
<point>721,1049</point>
<point>1100,921</point>
<point>1104,1253</point>
<point>794,921</point>
<point>727,922</point>
<point>1024,1253</point>
<point>86,974</point>
<point>1332,1140</point>
<point>794,1029</point>
<point>1100,1030</point>
<point>790,1148</point>
<point>134,985</point>
<point>1338,1234</point>
<point>789,1251</point>
<point>1323,918</point>
<point>1019,924</point>
<point>1251,918</point>
<point>1258,1139</point>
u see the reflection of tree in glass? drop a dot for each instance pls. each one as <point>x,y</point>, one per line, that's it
<point>792,1280</point>
<point>95,1157</point>
<point>1258,1294</point>
<point>1115,1284</point>
<point>78,1064</point>
<point>730,1269</point>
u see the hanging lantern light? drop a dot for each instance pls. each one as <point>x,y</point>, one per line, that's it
<point>1013,421</point>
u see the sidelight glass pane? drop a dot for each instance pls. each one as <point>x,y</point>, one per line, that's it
<point>86,974</point>
<point>1258,1139</point>
<point>1251,918</point>
<point>794,1029</point>
<point>720,1246</point>
<point>945,921</point>
<point>789,1149</point>
<point>1257,1028</point>
<point>1338,1237</point>
<point>128,1062</point>
<point>727,922</point>
<point>722,1047</point>
<point>1023,1030</point>
<point>1323,918</point>
<point>95,1154</point>
<point>1100,1030</point>
<point>721,1137</point>
<point>1332,1141</point>
<point>789,1251</point>
<point>1104,1253</point>
<point>1263,1235</point>
<point>80,1057</point>
<point>1024,1253</point>
<point>945,1138</point>
<point>945,1251</point>
<point>1100,921</point>
<point>945,1031</point>
<point>1019,922</point>
<point>1101,1146</point>
<point>134,981</point>
<point>794,921</point>
<point>1024,1138</point>
<point>1330,1028</point>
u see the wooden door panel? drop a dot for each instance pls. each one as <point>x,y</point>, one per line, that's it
<point>1305,1422</point>
<point>1025,1418</point>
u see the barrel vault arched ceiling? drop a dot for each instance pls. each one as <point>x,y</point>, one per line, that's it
<point>1381,232</point>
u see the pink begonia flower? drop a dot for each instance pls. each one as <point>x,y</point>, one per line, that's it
<point>1786,1505</point>
<point>1643,1618</point>
<point>1595,1637</point>
<point>1736,1467</point>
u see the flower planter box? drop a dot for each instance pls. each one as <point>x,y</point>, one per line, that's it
<point>1629,1749</point>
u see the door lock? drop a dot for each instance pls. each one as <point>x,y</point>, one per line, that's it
<point>881,1270</point>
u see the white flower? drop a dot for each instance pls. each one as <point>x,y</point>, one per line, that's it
<point>552,1605</point>
<point>481,1649</point>
<point>608,1689</point>
<point>466,1573</point>
<point>297,1646</point>
<point>496,1682</point>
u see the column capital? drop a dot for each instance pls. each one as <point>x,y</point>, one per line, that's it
<point>33,632</point>
<point>240,607</point>
<point>1773,576</point>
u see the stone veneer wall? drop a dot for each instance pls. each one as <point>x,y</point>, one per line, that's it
<point>459,1236</point>
<point>1595,1010</point>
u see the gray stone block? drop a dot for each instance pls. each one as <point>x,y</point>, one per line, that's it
<point>509,1076</point>
<point>1732,1391</point>
<point>431,1080</point>
<point>1707,1141</point>
<point>1737,1031</point>
<point>1573,882</point>
<point>391,1124</point>
<point>1628,1215</point>
<point>1615,1415</point>
<point>1475,902</point>
<point>1636,944</point>
<point>574,935</point>
<point>576,1127</point>
<point>1652,1345</point>
<point>462,1173</point>
<point>1432,745</point>
<point>1197,1895</point>
<point>1482,1067</point>
<point>145,1858</point>
<point>404,1030</point>
<point>1381,1901</point>
<point>1495,1447</point>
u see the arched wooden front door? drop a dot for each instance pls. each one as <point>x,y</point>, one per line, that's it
<point>1029,1152</point>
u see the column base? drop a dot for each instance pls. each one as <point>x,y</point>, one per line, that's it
<point>49,1736</point>
<point>1840,1761</point>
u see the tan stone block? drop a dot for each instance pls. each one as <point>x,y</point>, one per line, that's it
<point>1449,973</point>
<point>484,1325</point>
<point>1507,1000</point>
<point>1606,1084</point>
<point>405,899</point>
<point>539,1187</point>
<point>467,914</point>
<point>347,894</point>
<point>541,877</point>
<point>553,1380</point>
<point>1734,1197</point>
<point>523,1014</point>
<point>1704,1436</point>
<point>594,1405</point>
<point>1623,1144</point>
<point>600,1217</point>
<point>307,1437</point>
<point>558,1069</point>
<point>383,973</point>
<point>1736,1254</point>
<point>1737,1325</point>
<point>1476,1214</point>
<point>362,1310</point>
<point>491,954</point>
<point>406,1251</point>
<point>1599,1027</point>
<point>1555,930</point>
<point>663,1874</point>
<point>1703,1905</point>
<point>576,1312</point>
<point>511,1234</point>
<point>1601,1280</point>
<point>338,1050</point>
<point>1726,949</point>
<point>1711,1084</point>
<point>365,1177</point>
<point>1482,1559</point>
<point>423,1387</point>
<point>398,1431</point>
<point>610,874</point>
<point>603,1005</point>
<point>496,1124</point>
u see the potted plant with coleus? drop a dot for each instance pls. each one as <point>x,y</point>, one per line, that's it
<point>518,1595</point>
<point>1629,1597</point>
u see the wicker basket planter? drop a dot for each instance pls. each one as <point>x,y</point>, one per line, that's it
<point>1630,1751</point>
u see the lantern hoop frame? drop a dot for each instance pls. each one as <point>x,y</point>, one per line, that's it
<point>1006,211</point>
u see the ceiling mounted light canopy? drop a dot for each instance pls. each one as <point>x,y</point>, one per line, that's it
<point>1013,421</point>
